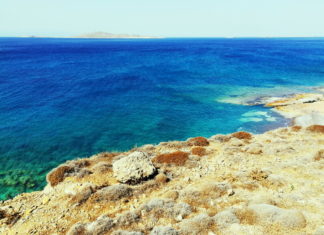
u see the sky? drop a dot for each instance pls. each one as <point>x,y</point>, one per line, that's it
<point>166,18</point>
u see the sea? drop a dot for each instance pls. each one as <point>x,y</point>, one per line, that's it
<point>62,99</point>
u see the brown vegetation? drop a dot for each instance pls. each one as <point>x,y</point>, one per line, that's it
<point>57,175</point>
<point>246,216</point>
<point>320,155</point>
<point>198,141</point>
<point>199,151</point>
<point>178,158</point>
<point>296,128</point>
<point>316,128</point>
<point>242,135</point>
<point>258,175</point>
<point>106,156</point>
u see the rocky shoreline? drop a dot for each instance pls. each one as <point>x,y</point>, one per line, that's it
<point>304,109</point>
<point>239,183</point>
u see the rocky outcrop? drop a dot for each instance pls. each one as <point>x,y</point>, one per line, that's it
<point>227,184</point>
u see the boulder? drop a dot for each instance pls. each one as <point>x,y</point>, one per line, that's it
<point>133,168</point>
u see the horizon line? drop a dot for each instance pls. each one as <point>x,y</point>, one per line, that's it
<point>159,37</point>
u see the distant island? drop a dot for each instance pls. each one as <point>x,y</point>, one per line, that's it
<point>97,35</point>
<point>110,35</point>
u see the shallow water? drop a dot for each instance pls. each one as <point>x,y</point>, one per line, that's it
<point>66,98</point>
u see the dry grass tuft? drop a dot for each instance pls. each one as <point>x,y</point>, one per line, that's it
<point>316,128</point>
<point>177,158</point>
<point>320,155</point>
<point>199,151</point>
<point>57,175</point>
<point>246,216</point>
<point>198,141</point>
<point>105,156</point>
<point>258,175</point>
<point>242,135</point>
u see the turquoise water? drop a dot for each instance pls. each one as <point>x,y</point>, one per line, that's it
<point>66,98</point>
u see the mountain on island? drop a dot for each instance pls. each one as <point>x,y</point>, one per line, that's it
<point>110,35</point>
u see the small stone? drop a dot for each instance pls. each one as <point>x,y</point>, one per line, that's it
<point>254,148</point>
<point>45,200</point>
<point>179,218</point>
<point>236,142</point>
<point>161,178</point>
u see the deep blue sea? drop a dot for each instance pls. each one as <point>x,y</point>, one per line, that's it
<point>62,99</point>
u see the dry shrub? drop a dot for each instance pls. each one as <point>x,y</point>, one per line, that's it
<point>112,193</point>
<point>258,175</point>
<point>316,128</point>
<point>174,144</point>
<point>177,158</point>
<point>200,195</point>
<point>57,175</point>
<point>80,163</point>
<point>296,128</point>
<point>172,194</point>
<point>200,151</point>
<point>200,224</point>
<point>242,135</point>
<point>250,186</point>
<point>246,216</point>
<point>320,155</point>
<point>105,156</point>
<point>198,141</point>
<point>83,195</point>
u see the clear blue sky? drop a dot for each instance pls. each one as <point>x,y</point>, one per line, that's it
<point>186,18</point>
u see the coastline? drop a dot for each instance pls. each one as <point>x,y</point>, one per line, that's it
<point>227,184</point>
